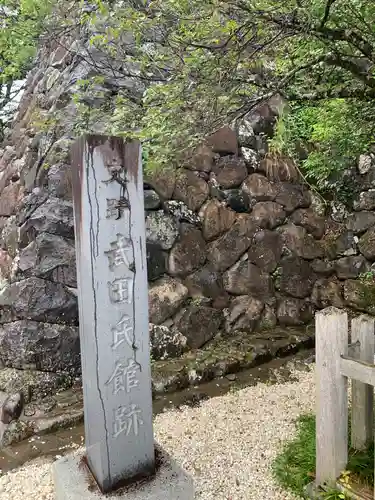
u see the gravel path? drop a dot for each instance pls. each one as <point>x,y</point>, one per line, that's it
<point>227,444</point>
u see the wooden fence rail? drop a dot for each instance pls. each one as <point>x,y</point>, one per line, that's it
<point>336,361</point>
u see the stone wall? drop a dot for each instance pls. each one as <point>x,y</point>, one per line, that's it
<point>235,241</point>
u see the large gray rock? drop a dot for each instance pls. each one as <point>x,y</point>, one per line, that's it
<point>258,187</point>
<point>225,251</point>
<point>351,267</point>
<point>161,229</point>
<point>296,277</point>
<point>39,300</point>
<point>9,237</point>
<point>292,196</point>
<point>202,159</point>
<point>268,214</point>
<point>308,219</point>
<point>191,189</point>
<point>300,243</point>
<point>340,243</point>
<point>166,343</point>
<point>31,345</point>
<point>55,216</point>
<point>294,311</point>
<point>151,199</point>
<point>323,267</point>
<point>181,212</point>
<point>360,222</point>
<point>244,314</point>
<point>365,200</point>
<point>244,278</point>
<point>216,218</point>
<point>230,171</point>
<point>223,141</point>
<point>188,253</point>
<point>162,181</point>
<point>266,250</point>
<point>165,296</point>
<point>327,292</point>
<point>366,244</point>
<point>51,257</point>
<point>360,295</point>
<point>199,324</point>
<point>205,282</point>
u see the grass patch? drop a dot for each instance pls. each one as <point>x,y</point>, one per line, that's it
<point>294,467</point>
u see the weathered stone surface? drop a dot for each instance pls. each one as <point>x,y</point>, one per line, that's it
<point>156,261</point>
<point>31,345</point>
<point>257,186</point>
<point>9,198</point>
<point>205,282</point>
<point>163,182</point>
<point>230,171</point>
<point>225,251</point>
<point>324,267</point>
<point>279,169</point>
<point>294,311</point>
<point>12,408</point>
<point>365,163</point>
<point>359,295</point>
<point>202,159</point>
<point>308,219</point>
<point>244,278</point>
<point>191,189</point>
<point>223,141</point>
<point>339,211</point>
<point>268,214</point>
<point>339,242</point>
<point>366,244</point>
<point>269,318</point>
<point>351,267</point>
<point>318,204</point>
<point>296,277</point>
<point>5,266</point>
<point>326,293</point>
<point>300,243</point>
<point>10,236</point>
<point>244,314</point>
<point>55,216</point>
<point>161,229</point>
<point>292,196</point>
<point>166,343</point>
<point>216,218</point>
<point>199,324</point>
<point>151,199</point>
<point>251,158</point>
<point>360,222</point>
<point>39,300</point>
<point>59,180</point>
<point>165,296</point>
<point>266,249</point>
<point>51,257</point>
<point>181,212</point>
<point>365,200</point>
<point>237,200</point>
<point>29,204</point>
<point>188,253</point>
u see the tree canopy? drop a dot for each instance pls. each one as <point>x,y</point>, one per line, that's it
<point>186,67</point>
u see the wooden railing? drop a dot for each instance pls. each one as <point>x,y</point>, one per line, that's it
<point>336,361</point>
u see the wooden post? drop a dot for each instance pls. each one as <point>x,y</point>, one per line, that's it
<point>331,395</point>
<point>113,309</point>
<point>363,394</point>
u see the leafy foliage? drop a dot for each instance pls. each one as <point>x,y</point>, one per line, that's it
<point>294,467</point>
<point>201,64</point>
<point>22,22</point>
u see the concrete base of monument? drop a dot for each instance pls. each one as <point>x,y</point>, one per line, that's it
<point>74,481</point>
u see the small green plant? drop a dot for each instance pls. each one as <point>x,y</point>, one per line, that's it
<point>294,467</point>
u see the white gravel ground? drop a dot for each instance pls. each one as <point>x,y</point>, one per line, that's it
<point>227,444</point>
